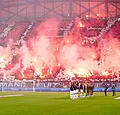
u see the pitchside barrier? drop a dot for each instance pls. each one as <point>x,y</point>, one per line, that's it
<point>52,89</point>
<point>46,86</point>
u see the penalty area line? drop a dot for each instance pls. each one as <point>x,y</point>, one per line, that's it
<point>15,95</point>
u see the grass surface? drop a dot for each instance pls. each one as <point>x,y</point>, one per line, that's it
<point>54,103</point>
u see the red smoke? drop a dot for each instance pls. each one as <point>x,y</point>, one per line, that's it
<point>46,55</point>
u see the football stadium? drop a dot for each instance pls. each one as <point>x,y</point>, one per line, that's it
<point>59,57</point>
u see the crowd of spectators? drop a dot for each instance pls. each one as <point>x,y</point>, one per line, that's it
<point>90,27</point>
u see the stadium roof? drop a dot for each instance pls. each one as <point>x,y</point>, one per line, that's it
<point>12,3</point>
<point>67,9</point>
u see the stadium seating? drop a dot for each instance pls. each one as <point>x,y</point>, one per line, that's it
<point>92,27</point>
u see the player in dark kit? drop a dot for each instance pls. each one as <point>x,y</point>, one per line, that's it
<point>81,90</point>
<point>106,88</point>
<point>92,90</point>
<point>113,89</point>
<point>85,89</point>
<point>72,87</point>
<point>73,91</point>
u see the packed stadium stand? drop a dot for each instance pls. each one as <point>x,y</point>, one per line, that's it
<point>88,27</point>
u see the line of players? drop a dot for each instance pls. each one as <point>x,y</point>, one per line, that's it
<point>85,89</point>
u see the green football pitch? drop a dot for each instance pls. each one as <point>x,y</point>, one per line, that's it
<point>58,103</point>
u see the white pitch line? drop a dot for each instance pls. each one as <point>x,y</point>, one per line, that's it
<point>117,98</point>
<point>15,95</point>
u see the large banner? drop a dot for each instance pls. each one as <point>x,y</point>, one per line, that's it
<point>46,86</point>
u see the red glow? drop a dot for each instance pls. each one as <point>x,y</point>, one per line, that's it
<point>98,15</point>
<point>87,16</point>
<point>81,25</point>
<point>68,41</point>
<point>73,54</point>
